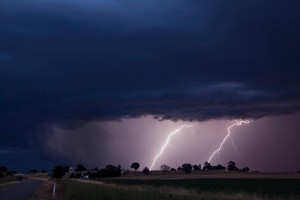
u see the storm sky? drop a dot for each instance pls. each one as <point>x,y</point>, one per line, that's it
<point>103,81</point>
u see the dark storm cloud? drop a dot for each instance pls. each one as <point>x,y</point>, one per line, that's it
<point>78,61</point>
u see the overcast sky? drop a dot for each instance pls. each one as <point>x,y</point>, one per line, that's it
<point>74,73</point>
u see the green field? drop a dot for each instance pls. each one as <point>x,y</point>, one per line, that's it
<point>180,189</point>
<point>271,188</point>
<point>85,191</point>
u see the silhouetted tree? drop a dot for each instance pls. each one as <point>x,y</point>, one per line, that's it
<point>218,167</point>
<point>146,171</point>
<point>72,175</point>
<point>80,168</point>
<point>197,167</point>
<point>231,166</point>
<point>245,169</point>
<point>187,168</point>
<point>3,169</point>
<point>77,175</point>
<point>32,171</point>
<point>207,166</point>
<point>135,166</point>
<point>4,172</point>
<point>96,169</point>
<point>108,171</point>
<point>172,169</point>
<point>112,171</point>
<point>179,168</point>
<point>58,171</point>
<point>126,172</point>
<point>67,168</point>
<point>164,168</point>
<point>10,173</point>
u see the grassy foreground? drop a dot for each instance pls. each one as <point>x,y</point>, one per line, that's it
<point>87,191</point>
<point>210,189</point>
<point>267,188</point>
<point>6,180</point>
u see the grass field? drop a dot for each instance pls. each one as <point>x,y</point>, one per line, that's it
<point>77,190</point>
<point>177,186</point>
<point>266,188</point>
<point>8,179</point>
<point>87,191</point>
<point>223,189</point>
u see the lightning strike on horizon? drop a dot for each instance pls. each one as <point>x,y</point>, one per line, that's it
<point>167,142</point>
<point>237,123</point>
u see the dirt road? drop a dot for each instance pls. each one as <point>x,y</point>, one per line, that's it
<point>19,191</point>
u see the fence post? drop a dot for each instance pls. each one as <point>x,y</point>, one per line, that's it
<point>54,189</point>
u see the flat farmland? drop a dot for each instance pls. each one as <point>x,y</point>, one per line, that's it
<point>202,185</point>
<point>210,174</point>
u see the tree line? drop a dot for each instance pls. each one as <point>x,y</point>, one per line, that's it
<point>81,171</point>
<point>188,168</point>
<point>4,171</point>
<point>114,171</point>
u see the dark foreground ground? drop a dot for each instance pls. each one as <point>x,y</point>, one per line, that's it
<point>19,191</point>
<point>156,186</point>
<point>208,186</point>
<point>269,188</point>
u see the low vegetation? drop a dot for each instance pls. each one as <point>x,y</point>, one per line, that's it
<point>270,188</point>
<point>6,176</point>
<point>181,189</point>
<point>86,191</point>
<point>187,182</point>
<point>7,179</point>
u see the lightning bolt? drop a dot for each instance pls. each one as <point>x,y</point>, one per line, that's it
<point>167,142</point>
<point>236,123</point>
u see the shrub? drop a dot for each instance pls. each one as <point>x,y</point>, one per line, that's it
<point>164,168</point>
<point>146,171</point>
<point>58,171</point>
<point>187,168</point>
